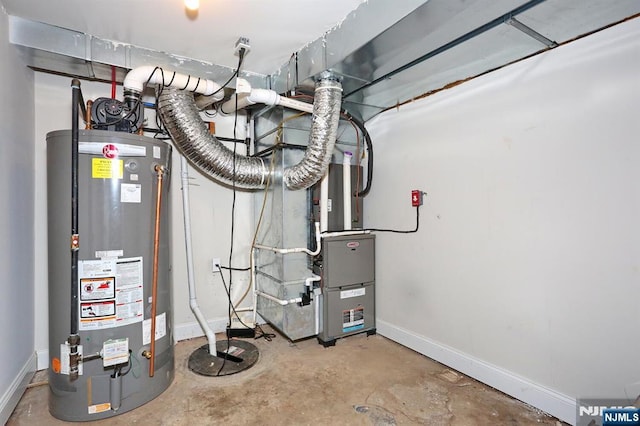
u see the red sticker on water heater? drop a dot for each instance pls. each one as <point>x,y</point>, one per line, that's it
<point>353,244</point>
<point>110,151</point>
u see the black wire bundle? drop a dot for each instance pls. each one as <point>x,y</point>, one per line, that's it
<point>397,231</point>
<point>233,215</point>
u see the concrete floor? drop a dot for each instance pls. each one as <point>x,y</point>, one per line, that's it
<point>361,381</point>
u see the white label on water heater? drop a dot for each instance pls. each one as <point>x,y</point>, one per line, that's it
<point>157,152</point>
<point>130,193</point>
<point>102,254</point>
<point>111,292</point>
<point>161,328</point>
<point>115,352</point>
<point>346,294</point>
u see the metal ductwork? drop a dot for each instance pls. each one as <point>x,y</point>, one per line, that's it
<point>192,138</point>
<point>385,55</point>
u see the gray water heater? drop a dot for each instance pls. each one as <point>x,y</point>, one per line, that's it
<point>119,215</point>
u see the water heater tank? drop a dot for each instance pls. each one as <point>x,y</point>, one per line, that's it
<point>118,191</point>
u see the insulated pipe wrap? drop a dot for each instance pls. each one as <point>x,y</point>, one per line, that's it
<point>322,137</point>
<point>191,136</point>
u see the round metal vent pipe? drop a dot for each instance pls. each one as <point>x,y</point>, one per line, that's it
<point>192,137</point>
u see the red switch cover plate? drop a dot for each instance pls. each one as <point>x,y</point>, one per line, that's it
<point>416,198</point>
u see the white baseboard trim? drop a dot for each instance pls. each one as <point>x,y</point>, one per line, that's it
<point>42,359</point>
<point>14,392</point>
<point>547,400</point>
<point>192,329</point>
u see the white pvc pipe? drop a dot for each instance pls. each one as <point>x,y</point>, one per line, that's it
<point>294,104</point>
<point>281,302</point>
<point>148,74</point>
<point>324,202</point>
<point>313,278</point>
<point>193,303</point>
<point>317,292</point>
<point>346,190</point>
<point>297,249</point>
<point>261,96</point>
<point>254,284</point>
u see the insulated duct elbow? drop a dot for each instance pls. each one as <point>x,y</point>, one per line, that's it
<point>191,135</point>
<point>322,136</point>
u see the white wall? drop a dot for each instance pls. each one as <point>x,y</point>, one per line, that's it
<point>16,224</point>
<point>526,270</point>
<point>210,216</point>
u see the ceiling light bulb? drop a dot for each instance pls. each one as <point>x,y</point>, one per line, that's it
<point>192,4</point>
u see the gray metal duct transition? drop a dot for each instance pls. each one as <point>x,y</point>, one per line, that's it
<point>191,136</point>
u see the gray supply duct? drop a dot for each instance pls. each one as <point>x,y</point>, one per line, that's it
<point>191,136</point>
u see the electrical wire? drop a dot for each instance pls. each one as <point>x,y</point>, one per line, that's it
<point>395,231</point>
<point>119,367</point>
<point>278,142</point>
<point>358,163</point>
<point>233,210</point>
<point>235,269</point>
<point>262,334</point>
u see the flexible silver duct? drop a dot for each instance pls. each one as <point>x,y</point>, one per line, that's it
<point>191,136</point>
<point>322,137</point>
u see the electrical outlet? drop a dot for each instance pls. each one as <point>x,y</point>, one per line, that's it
<point>242,43</point>
<point>215,264</point>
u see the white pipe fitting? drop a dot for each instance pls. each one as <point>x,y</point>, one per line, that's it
<point>313,278</point>
<point>281,302</point>
<point>317,293</point>
<point>324,202</point>
<point>239,101</point>
<point>297,249</point>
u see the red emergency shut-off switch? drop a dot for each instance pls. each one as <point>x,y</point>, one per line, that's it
<point>416,198</point>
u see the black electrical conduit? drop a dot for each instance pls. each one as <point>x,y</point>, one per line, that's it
<point>465,37</point>
<point>77,104</point>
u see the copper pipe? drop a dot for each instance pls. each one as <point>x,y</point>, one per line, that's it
<point>87,115</point>
<point>154,280</point>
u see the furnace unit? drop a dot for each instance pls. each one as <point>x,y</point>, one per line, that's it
<point>348,286</point>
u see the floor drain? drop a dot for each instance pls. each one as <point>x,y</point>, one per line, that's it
<point>362,409</point>
<point>233,358</point>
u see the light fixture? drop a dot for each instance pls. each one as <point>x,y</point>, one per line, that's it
<point>192,5</point>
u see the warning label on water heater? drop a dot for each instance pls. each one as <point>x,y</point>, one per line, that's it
<point>111,292</point>
<point>105,168</point>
